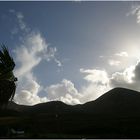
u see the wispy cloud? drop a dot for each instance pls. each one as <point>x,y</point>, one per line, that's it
<point>50,55</point>
<point>114,62</point>
<point>122,54</point>
<point>21,23</point>
<point>28,56</point>
<point>95,76</point>
<point>32,49</point>
<point>135,10</point>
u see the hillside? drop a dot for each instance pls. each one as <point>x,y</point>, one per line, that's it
<point>113,115</point>
<point>119,100</point>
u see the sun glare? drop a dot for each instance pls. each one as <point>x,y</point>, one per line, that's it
<point>133,49</point>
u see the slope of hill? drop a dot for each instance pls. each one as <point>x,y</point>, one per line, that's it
<point>118,101</point>
<point>113,115</point>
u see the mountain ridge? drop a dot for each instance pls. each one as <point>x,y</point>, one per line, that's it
<point>118,99</point>
<point>115,114</point>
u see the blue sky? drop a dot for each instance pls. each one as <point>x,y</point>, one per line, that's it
<point>71,51</point>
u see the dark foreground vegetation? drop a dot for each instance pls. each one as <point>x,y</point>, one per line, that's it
<point>116,114</point>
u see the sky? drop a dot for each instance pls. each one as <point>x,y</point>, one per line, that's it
<point>72,51</point>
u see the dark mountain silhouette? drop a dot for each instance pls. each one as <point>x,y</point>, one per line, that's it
<point>118,101</point>
<point>116,114</point>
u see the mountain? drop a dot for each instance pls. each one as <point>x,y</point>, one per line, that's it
<point>119,101</point>
<point>115,114</point>
<point>52,107</point>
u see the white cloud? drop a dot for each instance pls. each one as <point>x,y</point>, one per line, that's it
<point>121,78</point>
<point>32,50</point>
<point>51,55</point>
<point>92,91</point>
<point>28,95</point>
<point>59,64</point>
<point>98,82</point>
<point>21,23</point>
<point>28,54</point>
<point>129,78</point>
<point>114,62</point>
<point>135,10</point>
<point>101,82</point>
<point>64,91</point>
<point>122,54</point>
<point>95,76</point>
<point>27,98</point>
<point>28,90</point>
<point>101,56</point>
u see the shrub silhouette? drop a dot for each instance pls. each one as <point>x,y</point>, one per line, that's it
<point>7,78</point>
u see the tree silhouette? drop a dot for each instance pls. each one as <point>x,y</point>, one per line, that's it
<point>7,78</point>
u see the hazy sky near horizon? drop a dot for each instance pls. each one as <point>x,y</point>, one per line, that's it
<point>72,51</point>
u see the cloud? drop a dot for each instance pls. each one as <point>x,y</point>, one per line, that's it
<point>122,54</point>
<point>64,91</point>
<point>51,55</point>
<point>123,78</point>
<point>95,76</point>
<point>129,78</point>
<point>28,95</point>
<point>117,59</point>
<point>32,49</point>
<point>114,62</point>
<point>101,81</point>
<point>135,10</point>
<point>27,98</point>
<point>21,23</point>
<point>28,55</point>
<point>98,83</point>
<point>92,91</point>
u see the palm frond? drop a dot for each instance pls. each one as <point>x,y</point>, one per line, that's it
<point>7,78</point>
<point>7,63</point>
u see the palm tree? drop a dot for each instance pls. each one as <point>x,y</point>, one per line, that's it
<point>7,78</point>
